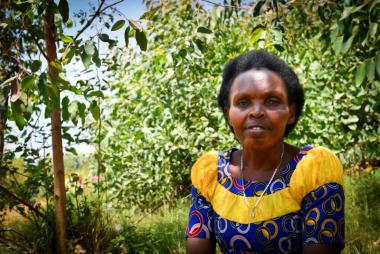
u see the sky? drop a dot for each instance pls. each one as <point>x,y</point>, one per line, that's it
<point>132,9</point>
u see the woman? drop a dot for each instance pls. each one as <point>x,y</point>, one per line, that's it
<point>270,196</point>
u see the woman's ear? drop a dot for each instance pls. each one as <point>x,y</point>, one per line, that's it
<point>292,113</point>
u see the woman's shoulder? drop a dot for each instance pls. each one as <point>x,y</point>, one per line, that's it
<point>204,173</point>
<point>317,167</point>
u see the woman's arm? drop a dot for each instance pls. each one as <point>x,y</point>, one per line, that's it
<point>321,248</point>
<point>200,246</point>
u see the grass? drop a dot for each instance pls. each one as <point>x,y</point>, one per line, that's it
<point>163,232</point>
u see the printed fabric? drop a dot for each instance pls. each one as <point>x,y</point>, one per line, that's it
<point>303,205</point>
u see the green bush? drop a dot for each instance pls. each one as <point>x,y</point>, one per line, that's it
<point>164,113</point>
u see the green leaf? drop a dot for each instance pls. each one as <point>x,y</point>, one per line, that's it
<point>82,112</point>
<point>136,25</point>
<point>257,9</point>
<point>346,12</point>
<point>118,24</point>
<point>256,35</point>
<point>104,37</point>
<point>65,108</point>
<point>350,120</point>
<point>373,5</point>
<point>68,137</point>
<point>360,74</point>
<point>89,47</point>
<point>204,30</point>
<point>72,150</point>
<point>28,82</point>
<point>35,65</point>
<point>141,40</point>
<point>56,65</point>
<point>279,47</point>
<point>66,38</point>
<point>95,110</point>
<point>96,94</point>
<point>126,36</point>
<point>182,53</point>
<point>378,64</point>
<point>63,8</point>
<point>373,29</point>
<point>42,86</point>
<point>338,45</point>
<point>95,58</point>
<point>17,114</point>
<point>347,44</point>
<point>68,55</point>
<point>86,60</point>
<point>370,68</point>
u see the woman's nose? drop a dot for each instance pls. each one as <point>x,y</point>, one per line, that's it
<point>256,110</point>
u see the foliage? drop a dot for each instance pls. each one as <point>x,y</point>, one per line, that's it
<point>36,50</point>
<point>166,115</point>
<point>334,47</point>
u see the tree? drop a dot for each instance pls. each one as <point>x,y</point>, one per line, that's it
<point>40,90</point>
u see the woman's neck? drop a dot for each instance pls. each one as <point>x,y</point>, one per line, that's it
<point>266,160</point>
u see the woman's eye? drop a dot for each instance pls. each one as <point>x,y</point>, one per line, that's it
<point>243,103</point>
<point>273,102</point>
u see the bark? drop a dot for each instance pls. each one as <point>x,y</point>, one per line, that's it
<point>59,176</point>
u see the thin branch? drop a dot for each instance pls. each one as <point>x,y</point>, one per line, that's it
<point>95,15</point>
<point>38,45</point>
<point>4,84</point>
<point>243,7</point>
<point>111,5</point>
<point>31,207</point>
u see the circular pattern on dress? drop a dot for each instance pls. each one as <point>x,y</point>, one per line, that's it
<point>220,223</point>
<point>329,206</point>
<point>239,241</point>
<point>312,218</point>
<point>258,188</point>
<point>319,193</point>
<point>277,185</point>
<point>197,227</point>
<point>329,229</point>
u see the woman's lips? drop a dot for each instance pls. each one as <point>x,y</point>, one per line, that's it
<point>256,130</point>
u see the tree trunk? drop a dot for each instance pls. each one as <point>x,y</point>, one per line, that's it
<point>59,176</point>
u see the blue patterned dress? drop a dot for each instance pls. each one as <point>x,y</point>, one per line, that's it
<point>303,205</point>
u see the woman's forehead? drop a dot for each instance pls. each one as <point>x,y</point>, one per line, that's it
<point>258,79</point>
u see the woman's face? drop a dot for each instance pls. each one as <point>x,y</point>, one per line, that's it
<point>259,110</point>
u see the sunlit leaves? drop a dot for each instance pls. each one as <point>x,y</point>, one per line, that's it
<point>89,48</point>
<point>28,82</point>
<point>66,38</point>
<point>360,74</point>
<point>95,110</point>
<point>118,24</point>
<point>136,25</point>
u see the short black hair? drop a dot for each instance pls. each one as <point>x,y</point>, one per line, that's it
<point>260,59</point>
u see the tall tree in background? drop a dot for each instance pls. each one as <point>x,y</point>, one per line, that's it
<point>34,34</point>
<point>59,169</point>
